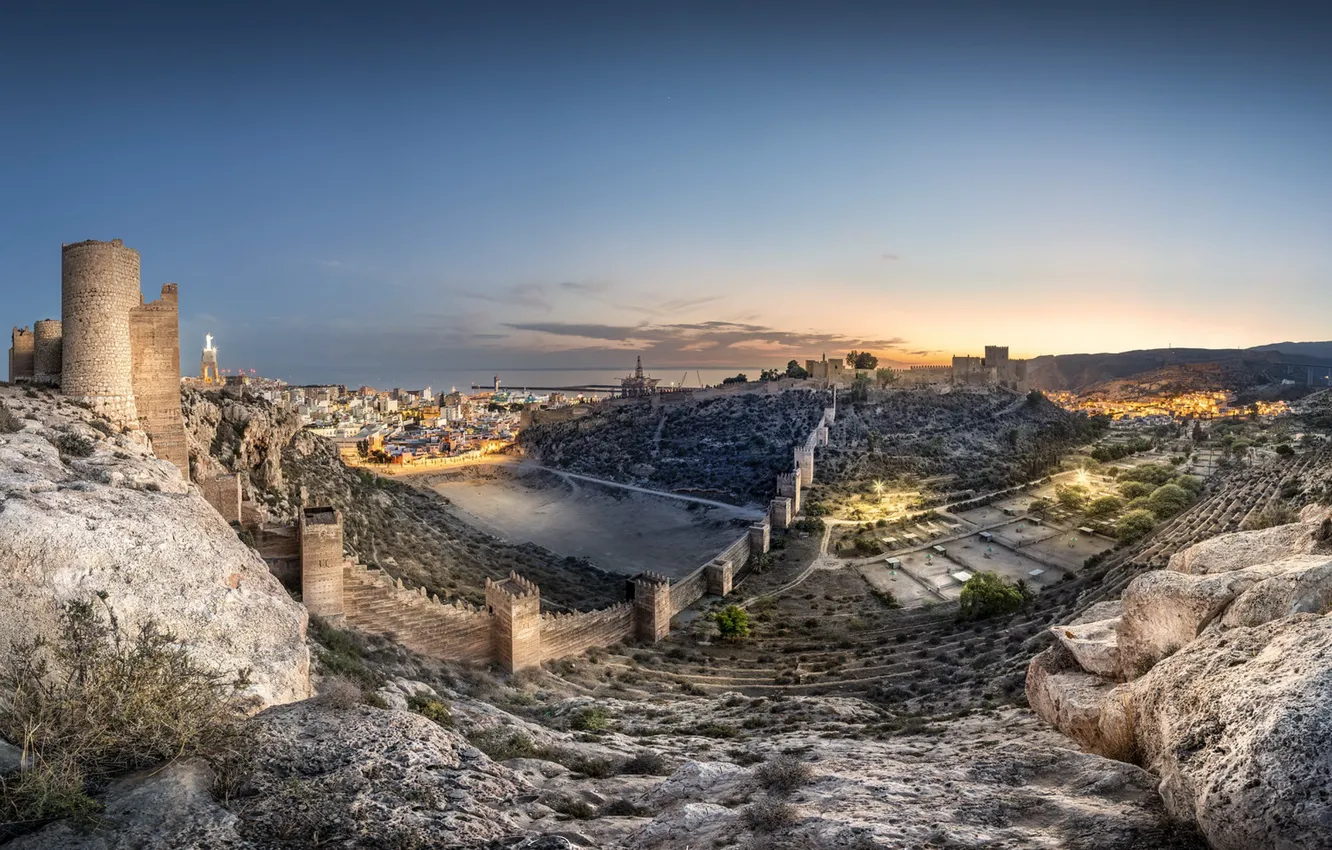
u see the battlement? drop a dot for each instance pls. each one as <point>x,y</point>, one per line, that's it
<point>515,586</point>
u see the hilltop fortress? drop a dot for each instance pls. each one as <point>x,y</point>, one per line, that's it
<point>110,349</point>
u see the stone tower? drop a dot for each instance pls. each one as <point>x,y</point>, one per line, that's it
<point>208,372</point>
<point>99,286</point>
<point>515,626</point>
<point>652,607</point>
<point>321,562</point>
<point>21,356</point>
<point>47,358</point>
<point>155,346</point>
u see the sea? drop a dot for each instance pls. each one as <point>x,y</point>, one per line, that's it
<point>555,378</point>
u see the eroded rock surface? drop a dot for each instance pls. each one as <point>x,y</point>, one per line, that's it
<point>86,509</point>
<point>1222,689</point>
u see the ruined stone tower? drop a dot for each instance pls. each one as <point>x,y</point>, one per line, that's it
<point>155,375</point>
<point>652,606</point>
<point>47,357</point>
<point>21,356</point>
<point>321,562</point>
<point>515,605</point>
<point>99,286</point>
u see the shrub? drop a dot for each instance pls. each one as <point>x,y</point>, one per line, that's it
<point>1278,513</point>
<point>732,622</point>
<point>783,775</point>
<point>646,763</point>
<point>9,423</point>
<point>96,702</point>
<point>986,594</point>
<point>768,815</point>
<point>431,709</point>
<point>589,720</point>
<point>339,692</point>
<point>501,744</point>
<point>72,445</point>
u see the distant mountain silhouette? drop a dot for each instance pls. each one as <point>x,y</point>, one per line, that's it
<point>1077,372</point>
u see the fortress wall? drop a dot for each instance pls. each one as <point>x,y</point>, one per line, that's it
<point>47,352</point>
<point>570,634</point>
<point>21,355</point>
<point>99,286</point>
<point>376,604</point>
<point>223,492</point>
<point>155,376</point>
<point>689,590</point>
<point>515,625</point>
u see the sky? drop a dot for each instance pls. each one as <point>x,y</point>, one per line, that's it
<point>375,192</point>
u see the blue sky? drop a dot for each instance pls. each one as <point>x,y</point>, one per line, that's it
<point>369,192</point>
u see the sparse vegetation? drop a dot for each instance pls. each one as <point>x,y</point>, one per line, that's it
<point>431,709</point>
<point>9,423</point>
<point>72,445</point>
<point>732,622</point>
<point>783,775</point>
<point>98,701</point>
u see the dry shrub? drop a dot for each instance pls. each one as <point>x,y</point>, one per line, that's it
<point>767,815</point>
<point>95,702</point>
<point>9,423</point>
<point>340,693</point>
<point>783,775</point>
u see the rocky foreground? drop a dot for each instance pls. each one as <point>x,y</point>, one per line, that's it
<point>1216,675</point>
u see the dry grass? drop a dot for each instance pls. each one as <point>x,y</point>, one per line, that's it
<point>96,702</point>
<point>9,423</point>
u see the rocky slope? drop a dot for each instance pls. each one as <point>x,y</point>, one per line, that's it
<point>86,509</point>
<point>1213,674</point>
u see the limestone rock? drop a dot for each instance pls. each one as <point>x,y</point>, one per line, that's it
<point>157,810</point>
<point>11,757</point>
<point>1239,549</point>
<point>370,778</point>
<point>144,538</point>
<point>1239,726</point>
<point>1095,645</point>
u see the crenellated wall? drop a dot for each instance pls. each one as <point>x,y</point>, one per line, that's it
<point>576,632</point>
<point>375,603</point>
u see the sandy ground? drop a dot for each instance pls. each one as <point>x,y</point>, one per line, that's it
<point>618,530</point>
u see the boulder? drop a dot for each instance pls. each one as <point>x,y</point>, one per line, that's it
<point>1238,725</point>
<point>112,520</point>
<point>1239,549</point>
<point>1095,645</point>
<point>161,809</point>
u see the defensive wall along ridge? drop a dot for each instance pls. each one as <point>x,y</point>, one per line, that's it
<point>511,630</point>
<point>110,350</point>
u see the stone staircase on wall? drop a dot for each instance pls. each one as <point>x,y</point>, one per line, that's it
<point>376,603</point>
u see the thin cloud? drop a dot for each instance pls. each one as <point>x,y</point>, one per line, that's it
<point>890,256</point>
<point>521,295</point>
<point>584,287</point>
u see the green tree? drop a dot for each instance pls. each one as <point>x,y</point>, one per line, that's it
<point>1071,496</point>
<point>732,622</point>
<point>1103,506</point>
<point>795,370</point>
<point>1168,500</point>
<point>860,388</point>
<point>886,377</point>
<point>1198,435</point>
<point>769,375</point>
<point>987,594</point>
<point>1135,489</point>
<point>1039,507</point>
<point>1034,397</point>
<point>742,378</point>
<point>1135,525</point>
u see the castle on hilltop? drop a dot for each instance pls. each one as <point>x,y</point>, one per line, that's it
<point>110,349</point>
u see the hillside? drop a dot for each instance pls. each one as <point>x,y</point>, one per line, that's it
<point>987,440</point>
<point>729,448</point>
<point>1077,372</point>
<point>412,535</point>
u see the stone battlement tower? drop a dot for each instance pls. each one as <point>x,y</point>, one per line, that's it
<point>321,562</point>
<point>515,604</point>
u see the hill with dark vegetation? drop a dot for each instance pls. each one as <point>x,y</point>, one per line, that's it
<point>730,448</point>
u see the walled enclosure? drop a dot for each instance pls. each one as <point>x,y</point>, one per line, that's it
<point>511,631</point>
<point>21,356</point>
<point>47,356</point>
